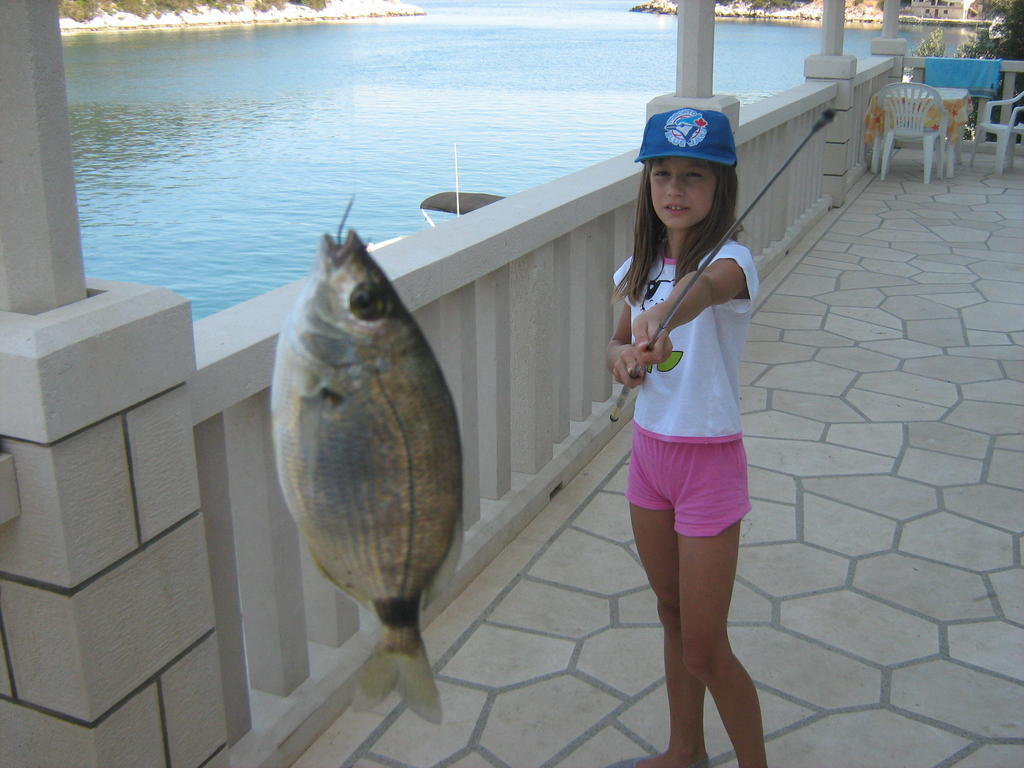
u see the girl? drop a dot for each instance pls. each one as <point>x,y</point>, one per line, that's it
<point>687,486</point>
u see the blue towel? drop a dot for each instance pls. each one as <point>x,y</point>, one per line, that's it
<point>979,76</point>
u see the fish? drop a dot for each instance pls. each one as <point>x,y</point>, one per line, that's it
<point>368,454</point>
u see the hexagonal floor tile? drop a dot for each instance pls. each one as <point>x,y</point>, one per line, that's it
<point>579,560</point>
<point>528,726</point>
<point>807,459</point>
<point>769,522</point>
<point>413,741</point>
<point>885,495</point>
<point>993,316</point>
<point>910,582</point>
<point>775,352</point>
<point>994,756</point>
<point>823,408</point>
<point>498,657</point>
<point>796,667</point>
<point>791,569</point>
<point>939,468</point>
<point>545,608</point>
<point>909,386</point>
<point>778,424</point>
<point>862,626</point>
<point>979,703</point>
<point>959,370</point>
<point>602,658</point>
<point>845,529</point>
<point>1009,586</point>
<point>772,486</point>
<point>993,418</point>
<point>1006,468</point>
<point>648,719</point>
<point>886,439</point>
<point>859,330</point>
<point>872,738</point>
<point>958,541</point>
<point>988,503</point>
<point>880,407</point>
<point>946,438</point>
<point>916,308</point>
<point>812,377</point>
<point>607,515</point>
<point>607,747</point>
<point>993,645</point>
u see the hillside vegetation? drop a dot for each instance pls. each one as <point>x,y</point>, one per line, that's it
<point>84,10</point>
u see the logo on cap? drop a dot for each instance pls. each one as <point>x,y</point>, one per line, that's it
<point>686,128</point>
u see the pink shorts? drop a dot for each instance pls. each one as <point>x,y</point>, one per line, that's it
<point>705,483</point>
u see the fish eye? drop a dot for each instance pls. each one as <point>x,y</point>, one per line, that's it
<point>367,302</point>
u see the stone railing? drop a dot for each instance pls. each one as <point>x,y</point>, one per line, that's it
<point>515,300</point>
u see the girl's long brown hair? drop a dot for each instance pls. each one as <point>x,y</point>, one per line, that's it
<point>649,232</point>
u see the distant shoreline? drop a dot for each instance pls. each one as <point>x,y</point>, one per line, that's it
<point>859,14</point>
<point>334,11</point>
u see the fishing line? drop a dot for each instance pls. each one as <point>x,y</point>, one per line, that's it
<point>826,117</point>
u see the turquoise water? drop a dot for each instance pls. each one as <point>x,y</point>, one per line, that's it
<point>210,161</point>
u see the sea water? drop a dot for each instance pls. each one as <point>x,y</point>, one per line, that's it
<point>210,161</point>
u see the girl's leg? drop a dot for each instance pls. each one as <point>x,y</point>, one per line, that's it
<point>707,570</point>
<point>656,538</point>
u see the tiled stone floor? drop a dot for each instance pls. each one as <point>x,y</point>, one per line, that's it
<point>880,597</point>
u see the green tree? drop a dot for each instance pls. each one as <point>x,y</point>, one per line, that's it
<point>1004,39</point>
<point>933,45</point>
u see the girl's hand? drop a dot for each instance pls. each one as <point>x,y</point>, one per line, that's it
<point>644,329</point>
<point>624,363</point>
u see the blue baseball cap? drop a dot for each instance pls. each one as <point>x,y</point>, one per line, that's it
<point>700,133</point>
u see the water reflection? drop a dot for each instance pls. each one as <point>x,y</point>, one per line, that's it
<point>211,160</point>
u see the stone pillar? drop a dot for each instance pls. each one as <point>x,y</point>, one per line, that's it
<point>839,134</point>
<point>108,655</point>
<point>40,247</point>
<point>897,48</point>
<point>890,19</point>
<point>833,24</point>
<point>888,44</point>
<point>695,59</point>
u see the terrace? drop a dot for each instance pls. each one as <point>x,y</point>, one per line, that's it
<point>157,608</point>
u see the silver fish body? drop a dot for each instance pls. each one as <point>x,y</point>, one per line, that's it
<point>368,454</point>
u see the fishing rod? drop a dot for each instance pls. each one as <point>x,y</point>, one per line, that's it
<point>826,117</point>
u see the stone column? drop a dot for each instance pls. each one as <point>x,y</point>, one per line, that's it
<point>695,59</point>
<point>833,66</point>
<point>40,249</point>
<point>833,24</point>
<point>888,44</point>
<point>108,655</point>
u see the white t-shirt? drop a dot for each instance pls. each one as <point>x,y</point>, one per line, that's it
<point>694,396</point>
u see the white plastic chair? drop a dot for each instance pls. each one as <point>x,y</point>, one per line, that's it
<point>906,108</point>
<point>1003,131</point>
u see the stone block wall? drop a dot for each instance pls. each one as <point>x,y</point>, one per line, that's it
<point>108,654</point>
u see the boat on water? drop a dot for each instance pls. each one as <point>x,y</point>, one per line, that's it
<point>456,202</point>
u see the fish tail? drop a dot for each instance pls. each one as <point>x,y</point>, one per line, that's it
<point>399,661</point>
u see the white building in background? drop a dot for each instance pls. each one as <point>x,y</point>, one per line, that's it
<point>946,9</point>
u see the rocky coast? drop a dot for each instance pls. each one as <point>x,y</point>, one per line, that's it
<point>868,11</point>
<point>244,13</point>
